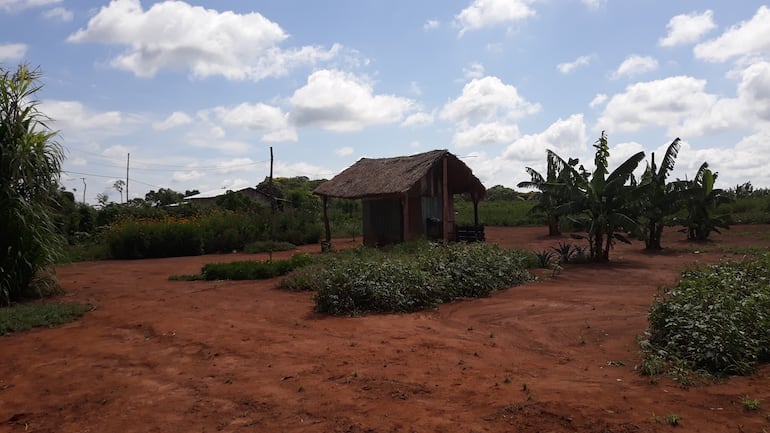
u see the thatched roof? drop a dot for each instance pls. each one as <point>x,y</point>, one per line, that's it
<point>393,176</point>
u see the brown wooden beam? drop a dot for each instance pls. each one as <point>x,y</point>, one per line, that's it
<point>327,230</point>
<point>405,217</point>
<point>445,193</point>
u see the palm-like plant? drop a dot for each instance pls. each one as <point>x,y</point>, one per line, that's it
<point>29,169</point>
<point>701,200</point>
<point>554,189</point>
<point>603,201</point>
<point>658,198</point>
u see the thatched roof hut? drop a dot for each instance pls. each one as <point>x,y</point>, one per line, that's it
<point>405,197</point>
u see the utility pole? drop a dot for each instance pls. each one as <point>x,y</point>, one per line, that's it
<point>128,161</point>
<point>272,205</point>
<point>84,189</point>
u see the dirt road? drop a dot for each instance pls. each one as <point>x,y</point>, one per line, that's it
<point>555,355</point>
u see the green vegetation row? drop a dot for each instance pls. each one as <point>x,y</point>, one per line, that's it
<point>215,232</point>
<point>254,270</point>
<point>412,277</point>
<point>22,317</point>
<point>715,320</point>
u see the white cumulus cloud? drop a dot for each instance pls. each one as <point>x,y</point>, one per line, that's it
<point>564,135</point>
<point>177,35</point>
<point>486,133</point>
<point>688,28</point>
<point>17,5</point>
<point>344,151</point>
<point>635,65</point>
<point>418,119</point>
<point>746,38</point>
<point>59,14</point>
<point>12,51</point>
<point>177,118</point>
<point>340,101</point>
<point>663,102</point>
<point>598,100</point>
<point>474,70</point>
<point>487,13</point>
<point>567,67</point>
<point>487,99</point>
<point>593,4</point>
<point>431,24</point>
<point>76,122</point>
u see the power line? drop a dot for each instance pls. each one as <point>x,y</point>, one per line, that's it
<point>169,167</point>
<point>109,177</point>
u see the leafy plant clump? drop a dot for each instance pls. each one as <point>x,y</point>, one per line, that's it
<point>350,287</point>
<point>715,320</point>
<point>268,246</point>
<point>30,162</point>
<point>21,317</point>
<point>359,282</point>
<point>544,258</point>
<point>251,270</point>
<point>303,279</point>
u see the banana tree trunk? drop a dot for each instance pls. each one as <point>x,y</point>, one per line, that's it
<point>553,225</point>
<point>654,234</point>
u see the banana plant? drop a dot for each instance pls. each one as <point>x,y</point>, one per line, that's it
<point>658,199</point>
<point>701,200</point>
<point>603,202</point>
<point>554,189</point>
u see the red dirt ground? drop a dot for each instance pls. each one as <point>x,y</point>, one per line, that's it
<point>173,356</point>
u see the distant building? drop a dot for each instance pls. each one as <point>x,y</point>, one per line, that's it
<point>209,198</point>
<point>406,197</point>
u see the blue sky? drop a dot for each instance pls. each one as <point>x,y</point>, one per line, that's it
<point>198,91</point>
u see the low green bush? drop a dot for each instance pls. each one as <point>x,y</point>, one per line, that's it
<point>251,270</point>
<point>352,287</point>
<point>139,239</point>
<point>21,317</point>
<point>366,280</point>
<point>303,279</point>
<point>267,246</point>
<point>474,270</point>
<point>715,320</point>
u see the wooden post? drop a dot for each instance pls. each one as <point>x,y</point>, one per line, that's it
<point>445,193</point>
<point>405,217</point>
<point>326,245</point>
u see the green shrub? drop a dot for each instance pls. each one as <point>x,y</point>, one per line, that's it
<point>303,279</point>
<point>367,280</point>
<point>267,246</point>
<point>225,231</point>
<point>251,270</point>
<point>715,320</point>
<point>475,270</point>
<point>138,239</point>
<point>351,287</point>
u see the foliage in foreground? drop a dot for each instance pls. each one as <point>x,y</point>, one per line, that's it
<point>21,317</point>
<point>357,283</point>
<point>29,168</point>
<point>251,270</point>
<point>215,232</point>
<point>716,320</point>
